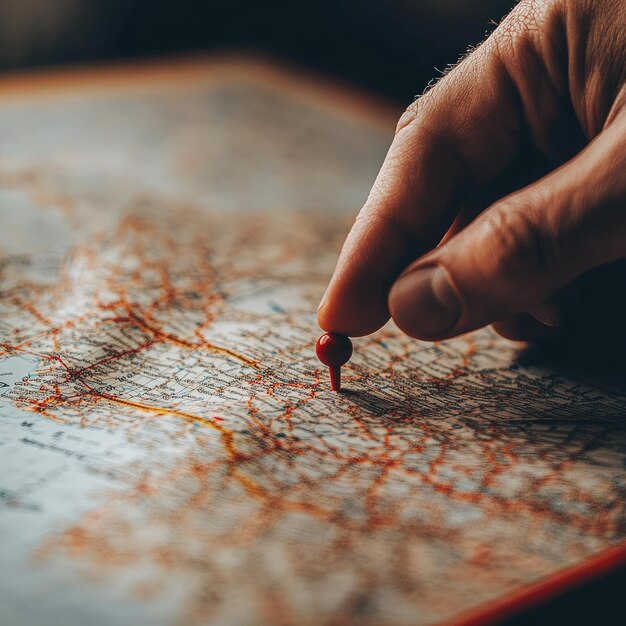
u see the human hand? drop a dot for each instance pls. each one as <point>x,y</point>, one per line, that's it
<point>505,183</point>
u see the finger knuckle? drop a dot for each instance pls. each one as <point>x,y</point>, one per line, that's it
<point>524,25</point>
<point>411,114</point>
<point>520,245</point>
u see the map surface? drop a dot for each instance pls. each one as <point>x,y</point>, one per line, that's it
<point>170,452</point>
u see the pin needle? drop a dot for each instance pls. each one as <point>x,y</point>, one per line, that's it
<point>334,350</point>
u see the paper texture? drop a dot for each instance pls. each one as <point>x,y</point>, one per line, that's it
<point>170,452</point>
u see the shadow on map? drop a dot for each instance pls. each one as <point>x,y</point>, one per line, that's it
<point>534,408</point>
<point>594,363</point>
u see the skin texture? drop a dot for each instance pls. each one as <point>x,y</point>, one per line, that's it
<point>502,199</point>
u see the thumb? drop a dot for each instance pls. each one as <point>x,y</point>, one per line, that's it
<point>521,249</point>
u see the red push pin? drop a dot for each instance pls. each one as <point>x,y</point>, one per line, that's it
<point>334,350</point>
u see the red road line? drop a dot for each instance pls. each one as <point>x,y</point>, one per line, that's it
<point>115,356</point>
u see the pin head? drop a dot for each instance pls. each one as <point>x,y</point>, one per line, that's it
<point>334,350</point>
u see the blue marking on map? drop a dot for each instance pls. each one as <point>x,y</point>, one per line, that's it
<point>276,308</point>
<point>14,368</point>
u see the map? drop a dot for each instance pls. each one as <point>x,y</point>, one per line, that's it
<point>170,450</point>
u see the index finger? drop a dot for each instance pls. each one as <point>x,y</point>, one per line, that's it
<point>462,133</point>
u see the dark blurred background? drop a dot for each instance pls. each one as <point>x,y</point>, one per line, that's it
<point>391,46</point>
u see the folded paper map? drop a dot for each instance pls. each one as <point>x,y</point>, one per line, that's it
<point>170,450</point>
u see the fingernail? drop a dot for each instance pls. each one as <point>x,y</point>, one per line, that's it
<point>547,313</point>
<point>424,303</point>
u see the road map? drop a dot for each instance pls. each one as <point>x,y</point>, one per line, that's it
<point>170,451</point>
